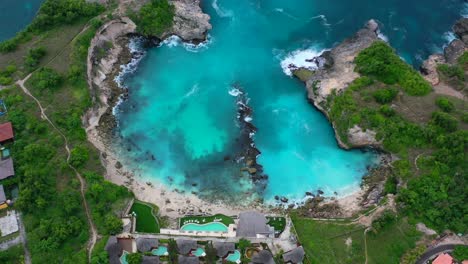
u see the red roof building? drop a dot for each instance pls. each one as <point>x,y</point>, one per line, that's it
<point>6,132</point>
<point>443,258</point>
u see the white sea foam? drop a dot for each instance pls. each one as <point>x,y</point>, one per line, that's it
<point>235,92</point>
<point>300,59</point>
<point>449,36</point>
<point>192,91</point>
<point>464,11</point>
<point>248,119</point>
<point>382,36</point>
<point>220,11</point>
<point>323,20</point>
<point>174,41</point>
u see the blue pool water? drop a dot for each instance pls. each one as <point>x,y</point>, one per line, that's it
<point>15,15</point>
<point>160,251</point>
<point>210,227</point>
<point>199,252</point>
<point>234,257</point>
<point>179,125</point>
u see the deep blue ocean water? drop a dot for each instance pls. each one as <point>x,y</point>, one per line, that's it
<point>179,123</point>
<point>15,15</point>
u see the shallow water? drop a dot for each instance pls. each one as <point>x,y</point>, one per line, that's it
<point>179,125</point>
<point>15,15</point>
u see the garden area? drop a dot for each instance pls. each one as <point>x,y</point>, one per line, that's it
<point>278,223</point>
<point>146,219</point>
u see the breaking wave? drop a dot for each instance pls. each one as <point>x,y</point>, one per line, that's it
<point>300,59</point>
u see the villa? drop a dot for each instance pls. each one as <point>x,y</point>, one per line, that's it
<point>6,133</point>
<point>6,169</point>
<point>150,260</point>
<point>223,249</point>
<point>294,256</point>
<point>145,244</point>
<point>263,257</point>
<point>254,224</point>
<point>443,258</point>
<point>187,260</point>
<point>114,250</point>
<point>186,246</point>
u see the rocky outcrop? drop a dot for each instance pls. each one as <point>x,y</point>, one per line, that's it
<point>461,29</point>
<point>429,68</point>
<point>336,72</point>
<point>190,23</point>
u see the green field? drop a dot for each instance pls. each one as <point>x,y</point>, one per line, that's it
<point>146,221</point>
<point>207,219</point>
<point>328,242</point>
<point>278,223</point>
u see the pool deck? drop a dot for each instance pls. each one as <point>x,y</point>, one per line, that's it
<point>173,232</point>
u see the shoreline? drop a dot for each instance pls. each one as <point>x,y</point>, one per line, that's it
<point>100,122</point>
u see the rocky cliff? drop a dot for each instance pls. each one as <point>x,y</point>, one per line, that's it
<point>336,72</point>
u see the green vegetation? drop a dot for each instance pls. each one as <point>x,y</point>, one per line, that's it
<point>278,223</point>
<point>146,220</point>
<point>382,63</point>
<point>6,75</point>
<point>210,251</point>
<point>154,17</point>
<point>13,255</point>
<point>460,253</point>
<point>53,14</point>
<point>134,258</point>
<point>435,192</point>
<point>445,104</point>
<point>46,79</point>
<point>329,242</point>
<point>34,55</point>
<point>226,220</point>
<point>172,250</point>
<point>411,256</point>
<point>385,95</point>
<point>463,59</point>
<point>451,71</point>
<point>100,255</point>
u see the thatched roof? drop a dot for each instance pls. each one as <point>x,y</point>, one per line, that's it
<point>114,250</point>
<point>263,257</point>
<point>150,260</point>
<point>145,244</point>
<point>188,260</point>
<point>253,223</point>
<point>184,246</point>
<point>294,256</point>
<point>224,248</point>
<point>6,168</point>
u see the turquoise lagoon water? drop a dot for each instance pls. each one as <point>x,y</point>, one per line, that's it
<point>210,227</point>
<point>179,125</point>
<point>15,15</point>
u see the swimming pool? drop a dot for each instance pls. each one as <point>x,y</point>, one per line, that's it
<point>234,257</point>
<point>210,227</point>
<point>160,251</point>
<point>123,258</point>
<point>199,252</point>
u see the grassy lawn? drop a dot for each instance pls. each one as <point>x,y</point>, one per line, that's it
<point>328,242</point>
<point>391,243</point>
<point>146,220</point>
<point>207,219</point>
<point>278,223</point>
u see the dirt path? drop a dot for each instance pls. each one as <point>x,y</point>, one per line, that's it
<point>93,230</point>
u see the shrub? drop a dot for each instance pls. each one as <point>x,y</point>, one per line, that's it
<point>46,78</point>
<point>445,104</point>
<point>460,253</point>
<point>134,258</point>
<point>387,218</point>
<point>451,71</point>
<point>79,156</point>
<point>445,121</point>
<point>154,17</point>
<point>33,57</point>
<point>385,95</point>
<point>387,111</point>
<point>463,59</point>
<point>6,80</point>
<point>380,62</point>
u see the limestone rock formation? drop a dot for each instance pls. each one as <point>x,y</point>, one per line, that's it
<point>429,68</point>
<point>461,29</point>
<point>190,23</point>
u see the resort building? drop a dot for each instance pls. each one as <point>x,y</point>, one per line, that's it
<point>294,256</point>
<point>185,246</point>
<point>150,260</point>
<point>187,260</point>
<point>6,133</point>
<point>146,244</point>
<point>6,169</point>
<point>2,195</point>
<point>114,250</point>
<point>223,249</point>
<point>263,257</point>
<point>254,224</point>
<point>443,258</point>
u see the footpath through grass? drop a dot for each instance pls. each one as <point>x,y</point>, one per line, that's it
<point>147,221</point>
